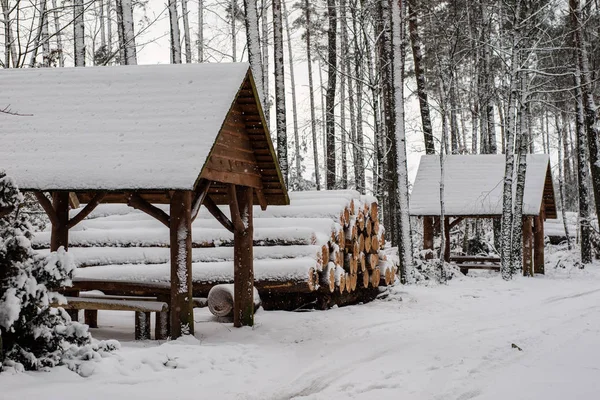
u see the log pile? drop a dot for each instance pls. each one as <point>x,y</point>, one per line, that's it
<point>322,249</point>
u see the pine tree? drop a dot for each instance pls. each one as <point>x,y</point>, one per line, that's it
<point>31,332</point>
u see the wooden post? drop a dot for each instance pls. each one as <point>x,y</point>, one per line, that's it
<point>142,325</point>
<point>428,236</point>
<point>240,203</point>
<point>91,318</point>
<point>538,244</point>
<point>447,237</point>
<point>181,304</point>
<point>527,246</point>
<point>60,229</point>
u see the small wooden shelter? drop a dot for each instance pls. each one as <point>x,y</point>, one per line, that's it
<point>177,135</point>
<point>473,188</point>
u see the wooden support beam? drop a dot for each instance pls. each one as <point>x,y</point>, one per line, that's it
<point>60,227</point>
<point>243,267</point>
<point>73,200</point>
<point>199,195</point>
<point>5,211</point>
<point>428,236</point>
<point>47,206</point>
<point>234,207</point>
<point>456,221</point>
<point>91,318</point>
<point>262,200</point>
<point>181,304</point>
<point>447,237</point>
<point>216,212</point>
<point>137,202</point>
<point>538,244</point>
<point>89,207</point>
<point>527,246</point>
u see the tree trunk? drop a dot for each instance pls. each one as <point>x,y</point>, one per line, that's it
<point>403,217</point>
<point>174,32</point>
<point>330,97</point>
<point>585,229</point>
<point>102,22</point>
<point>186,32</point>
<point>313,121</point>
<point>282,151</point>
<point>253,44</point>
<point>591,118</point>
<point>129,49</point>
<point>415,40</point>
<point>233,35</point>
<point>343,62</point>
<point>78,34</point>
<point>10,51</point>
<point>359,172</point>
<point>265,60</point>
<point>200,31</point>
<point>561,181</point>
<point>57,29</point>
<point>297,156</point>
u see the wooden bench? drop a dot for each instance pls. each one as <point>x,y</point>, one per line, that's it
<point>465,263</point>
<point>141,306</point>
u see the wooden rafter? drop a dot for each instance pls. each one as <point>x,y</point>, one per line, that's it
<point>199,195</point>
<point>47,206</point>
<point>89,207</point>
<point>216,212</point>
<point>137,202</point>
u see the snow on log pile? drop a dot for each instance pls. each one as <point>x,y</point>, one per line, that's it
<point>324,248</point>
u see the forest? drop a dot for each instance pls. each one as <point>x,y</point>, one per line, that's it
<point>354,88</point>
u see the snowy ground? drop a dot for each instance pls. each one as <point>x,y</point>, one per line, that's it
<point>439,342</point>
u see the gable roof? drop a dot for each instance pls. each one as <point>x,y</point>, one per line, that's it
<point>473,186</point>
<point>148,127</point>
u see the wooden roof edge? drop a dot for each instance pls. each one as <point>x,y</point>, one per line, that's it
<point>261,113</point>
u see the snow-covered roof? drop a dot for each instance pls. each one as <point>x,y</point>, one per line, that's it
<point>111,128</point>
<point>473,186</point>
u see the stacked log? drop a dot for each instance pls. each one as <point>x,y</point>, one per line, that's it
<point>324,247</point>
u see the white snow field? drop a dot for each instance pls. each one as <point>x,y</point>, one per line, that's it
<point>449,341</point>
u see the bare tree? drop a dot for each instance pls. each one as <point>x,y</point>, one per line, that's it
<point>282,152</point>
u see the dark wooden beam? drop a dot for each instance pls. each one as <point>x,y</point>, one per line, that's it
<point>428,236</point>
<point>447,237</point>
<point>137,202</point>
<point>234,206</point>
<point>216,212</point>
<point>527,246</point>
<point>456,221</point>
<point>47,206</point>
<point>5,211</point>
<point>538,244</point>
<point>60,229</point>
<point>199,195</point>
<point>89,207</point>
<point>262,200</point>
<point>243,254</point>
<point>181,302</point>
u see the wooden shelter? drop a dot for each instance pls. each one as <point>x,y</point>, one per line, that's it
<point>177,135</point>
<point>473,188</point>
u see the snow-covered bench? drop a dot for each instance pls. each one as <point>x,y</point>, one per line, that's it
<point>465,263</point>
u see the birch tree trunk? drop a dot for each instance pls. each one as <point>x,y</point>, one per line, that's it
<point>186,32</point>
<point>78,34</point>
<point>200,43</point>
<point>10,51</point>
<point>359,171</point>
<point>102,26</point>
<point>57,29</point>
<point>41,38</point>
<point>253,44</point>
<point>330,97</point>
<point>129,49</point>
<point>265,58</point>
<point>282,152</point>
<point>585,229</point>
<point>233,36</point>
<point>343,59</point>
<point>313,118</point>
<point>175,39</point>
<point>403,218</point>
<point>561,182</point>
<point>297,156</point>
